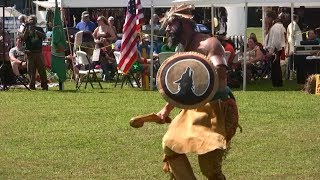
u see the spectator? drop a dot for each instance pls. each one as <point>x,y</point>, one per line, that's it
<point>253,58</point>
<point>156,22</point>
<point>275,43</point>
<point>111,24</point>
<point>6,74</point>
<point>144,47</point>
<point>4,39</point>
<point>85,24</point>
<point>254,38</point>
<point>156,26</point>
<point>33,37</point>
<point>294,37</point>
<point>312,36</point>
<point>104,35</point>
<point>117,45</point>
<point>22,19</point>
<point>168,46</point>
<point>17,58</point>
<point>228,46</point>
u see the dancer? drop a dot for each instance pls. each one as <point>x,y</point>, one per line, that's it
<point>206,130</point>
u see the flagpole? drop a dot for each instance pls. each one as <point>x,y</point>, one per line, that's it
<point>69,44</point>
<point>61,84</point>
<point>151,48</point>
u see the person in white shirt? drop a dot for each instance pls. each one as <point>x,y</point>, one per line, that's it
<point>294,36</point>
<point>274,45</point>
<point>17,58</point>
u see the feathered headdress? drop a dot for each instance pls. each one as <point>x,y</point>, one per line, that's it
<point>180,10</point>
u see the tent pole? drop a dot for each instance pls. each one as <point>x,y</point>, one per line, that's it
<point>245,47</point>
<point>212,19</point>
<point>151,48</point>
<point>293,37</point>
<point>263,24</point>
<point>204,15</point>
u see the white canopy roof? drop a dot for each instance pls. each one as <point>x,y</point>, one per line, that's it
<point>9,12</point>
<point>46,4</point>
<point>253,3</point>
<point>102,3</point>
<point>168,3</point>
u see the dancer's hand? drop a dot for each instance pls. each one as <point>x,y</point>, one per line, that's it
<point>165,111</point>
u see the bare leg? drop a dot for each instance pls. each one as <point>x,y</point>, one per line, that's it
<point>15,67</point>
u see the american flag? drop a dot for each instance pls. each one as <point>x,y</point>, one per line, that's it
<point>139,12</point>
<point>128,48</point>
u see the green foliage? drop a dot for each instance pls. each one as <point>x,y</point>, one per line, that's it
<point>86,134</point>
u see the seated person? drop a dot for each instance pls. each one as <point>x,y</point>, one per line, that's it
<point>141,69</point>
<point>158,45</point>
<point>312,36</point>
<point>254,56</point>
<point>17,57</point>
<point>144,46</point>
<point>254,37</point>
<point>228,46</point>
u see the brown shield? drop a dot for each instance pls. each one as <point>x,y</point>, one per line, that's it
<point>187,80</point>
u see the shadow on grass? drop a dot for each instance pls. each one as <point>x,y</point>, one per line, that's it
<point>266,85</point>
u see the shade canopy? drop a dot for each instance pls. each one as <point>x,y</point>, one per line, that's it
<point>102,3</point>
<point>9,12</point>
<point>169,3</point>
<point>252,3</point>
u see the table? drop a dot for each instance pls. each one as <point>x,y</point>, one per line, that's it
<point>306,65</point>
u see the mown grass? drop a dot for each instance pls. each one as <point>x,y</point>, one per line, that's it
<point>257,31</point>
<point>86,134</point>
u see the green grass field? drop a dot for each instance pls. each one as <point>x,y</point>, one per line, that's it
<point>257,31</point>
<point>86,134</point>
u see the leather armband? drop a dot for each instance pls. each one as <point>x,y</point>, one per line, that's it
<point>218,60</point>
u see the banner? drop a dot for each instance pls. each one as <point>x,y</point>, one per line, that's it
<point>318,84</point>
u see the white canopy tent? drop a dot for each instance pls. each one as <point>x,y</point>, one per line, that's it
<point>9,12</point>
<point>252,3</point>
<point>102,3</point>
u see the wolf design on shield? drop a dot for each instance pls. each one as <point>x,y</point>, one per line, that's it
<point>186,85</point>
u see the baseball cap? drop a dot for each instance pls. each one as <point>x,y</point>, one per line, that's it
<point>110,18</point>
<point>85,13</point>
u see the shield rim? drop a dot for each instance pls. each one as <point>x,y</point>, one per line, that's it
<point>175,103</point>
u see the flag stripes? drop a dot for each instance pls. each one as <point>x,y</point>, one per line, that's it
<point>128,50</point>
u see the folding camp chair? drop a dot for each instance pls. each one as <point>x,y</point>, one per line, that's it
<point>125,77</point>
<point>86,72</point>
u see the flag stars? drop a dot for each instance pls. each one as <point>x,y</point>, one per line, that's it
<point>132,7</point>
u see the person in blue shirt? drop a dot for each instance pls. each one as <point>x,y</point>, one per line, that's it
<point>85,24</point>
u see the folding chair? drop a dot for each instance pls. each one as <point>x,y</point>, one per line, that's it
<point>89,75</point>
<point>125,77</point>
<point>165,55</point>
